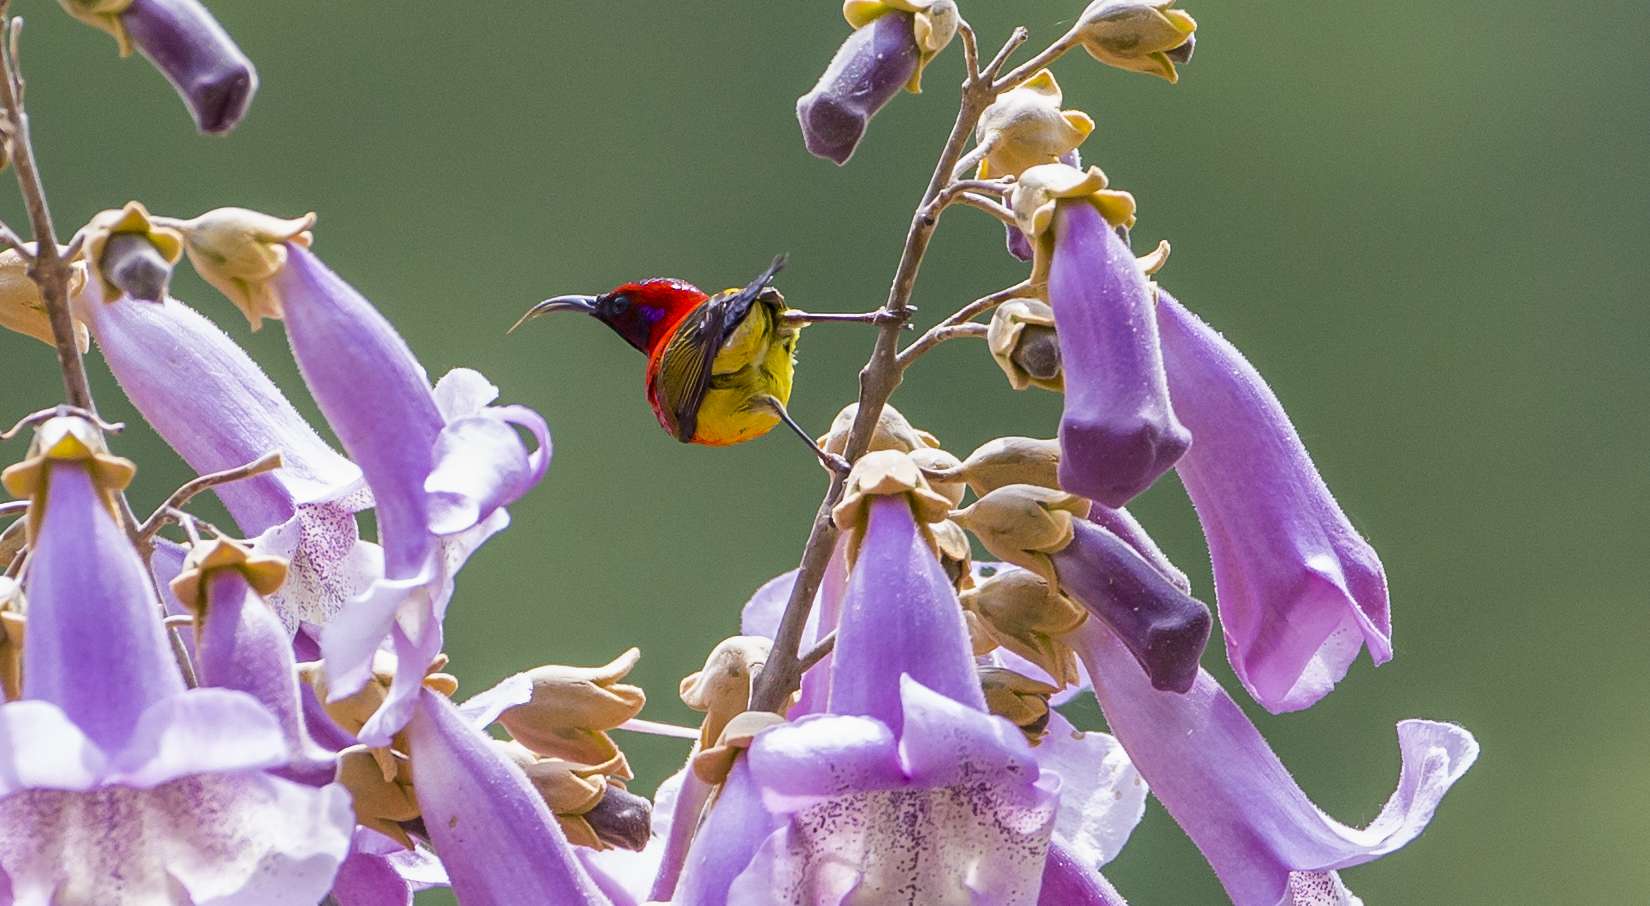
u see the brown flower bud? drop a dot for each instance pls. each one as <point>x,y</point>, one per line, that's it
<point>1023,523</point>
<point>1020,699</point>
<point>713,763</point>
<point>23,310</point>
<point>239,252</point>
<point>1137,35</point>
<point>893,432</point>
<point>943,472</point>
<point>956,555</point>
<point>1025,127</point>
<point>722,688</point>
<point>382,799</point>
<point>572,707</point>
<point>1020,612</point>
<point>1013,460</point>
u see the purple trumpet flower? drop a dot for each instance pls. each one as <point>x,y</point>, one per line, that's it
<point>1163,627</point>
<point>190,48</point>
<point>870,67</point>
<point>497,838</point>
<point>107,763</point>
<point>206,398</point>
<point>1216,776</point>
<point>1299,591</point>
<point>906,784</point>
<point>1118,432</point>
<point>441,466</point>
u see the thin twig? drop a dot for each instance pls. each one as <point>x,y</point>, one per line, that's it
<point>1013,43</point>
<point>817,653</point>
<point>49,268</point>
<point>971,49</point>
<point>1031,67</point>
<point>939,332</point>
<point>12,241</point>
<point>877,381</point>
<point>167,512</point>
<point>995,209</point>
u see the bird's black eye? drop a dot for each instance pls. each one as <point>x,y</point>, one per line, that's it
<point>618,304</point>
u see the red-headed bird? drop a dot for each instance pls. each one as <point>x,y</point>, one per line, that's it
<point>719,368</point>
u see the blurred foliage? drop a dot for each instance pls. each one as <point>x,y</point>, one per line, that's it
<point>1425,225</point>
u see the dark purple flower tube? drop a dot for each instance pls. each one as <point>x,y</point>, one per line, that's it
<point>1118,432</point>
<point>868,70</point>
<point>1299,590</point>
<point>197,56</point>
<point>1161,626</point>
<point>497,838</point>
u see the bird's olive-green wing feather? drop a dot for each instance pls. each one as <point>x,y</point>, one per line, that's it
<point>684,371</point>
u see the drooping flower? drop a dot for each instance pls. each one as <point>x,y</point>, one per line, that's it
<point>1043,531</point>
<point>1216,776</point>
<point>1118,432</point>
<point>109,763</point>
<point>211,403</point>
<point>1300,592</point>
<point>892,41</point>
<point>492,829</point>
<point>906,783</point>
<point>1147,36</point>
<point>188,46</point>
<point>441,464</point>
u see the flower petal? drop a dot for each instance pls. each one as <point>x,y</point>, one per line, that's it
<point>1299,591</point>
<point>1067,881</point>
<point>243,839</point>
<point>481,465</point>
<point>1118,432</point>
<point>1214,773</point>
<point>1102,796</point>
<point>497,838</point>
<point>732,833</point>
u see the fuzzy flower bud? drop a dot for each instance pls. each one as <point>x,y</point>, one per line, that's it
<point>1024,344</point>
<point>722,688</point>
<point>1004,461</point>
<point>572,708</point>
<point>188,46</point>
<point>1021,700</point>
<point>22,310</point>
<point>943,472</point>
<point>1139,35</point>
<point>130,255</point>
<point>1023,524</point>
<point>240,251</point>
<point>1025,127</point>
<point>893,432</point>
<point>1018,610</point>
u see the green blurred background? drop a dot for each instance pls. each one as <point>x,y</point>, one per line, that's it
<point>1425,224</point>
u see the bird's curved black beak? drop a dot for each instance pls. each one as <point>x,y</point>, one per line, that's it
<point>584,304</point>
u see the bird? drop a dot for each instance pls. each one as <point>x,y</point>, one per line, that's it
<point>719,367</point>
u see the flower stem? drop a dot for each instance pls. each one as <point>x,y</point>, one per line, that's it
<point>881,375</point>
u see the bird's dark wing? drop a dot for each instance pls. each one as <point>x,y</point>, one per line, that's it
<point>684,371</point>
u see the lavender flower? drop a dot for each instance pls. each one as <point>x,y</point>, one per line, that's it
<point>494,833</point>
<point>109,763</point>
<point>1300,592</point>
<point>1214,773</point>
<point>188,46</point>
<point>870,67</point>
<point>441,465</point>
<point>228,413</point>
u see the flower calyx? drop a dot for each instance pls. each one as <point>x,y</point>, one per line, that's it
<point>955,554</point>
<point>1147,36</point>
<point>721,690</point>
<point>893,432</point>
<point>12,626</point>
<point>593,809</point>
<point>1025,127</point>
<point>130,254</point>
<point>263,573</point>
<point>933,25</point>
<point>352,711</point>
<point>1023,524</point>
<point>572,708</point>
<point>103,15</point>
<point>1024,344</point>
<point>887,473</point>
<point>713,764</point>
<point>1019,611</point>
<point>1039,189</point>
<point>66,438</point>
<point>1003,461</point>
<point>1021,700</point>
<point>381,789</point>
<point>240,251</point>
<point>22,309</point>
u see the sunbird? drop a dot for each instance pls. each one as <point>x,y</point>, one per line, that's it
<point>719,367</point>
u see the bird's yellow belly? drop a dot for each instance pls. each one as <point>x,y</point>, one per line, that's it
<point>757,360</point>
